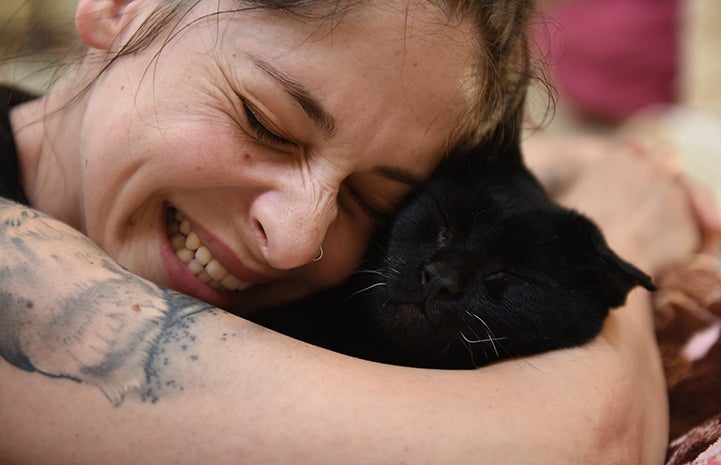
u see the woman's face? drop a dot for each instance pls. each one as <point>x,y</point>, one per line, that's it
<point>271,137</point>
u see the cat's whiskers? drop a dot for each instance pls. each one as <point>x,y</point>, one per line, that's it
<point>393,265</point>
<point>443,352</point>
<point>469,342</point>
<point>366,289</point>
<point>369,271</point>
<point>479,340</point>
<point>394,270</point>
<point>491,337</point>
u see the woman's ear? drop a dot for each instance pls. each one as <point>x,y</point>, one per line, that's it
<point>99,22</point>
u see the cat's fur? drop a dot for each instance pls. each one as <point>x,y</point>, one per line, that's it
<point>478,265</point>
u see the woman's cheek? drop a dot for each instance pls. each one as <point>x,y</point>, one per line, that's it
<point>344,247</point>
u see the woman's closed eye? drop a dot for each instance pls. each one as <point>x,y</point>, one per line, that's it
<point>258,128</point>
<point>375,214</point>
<point>379,191</point>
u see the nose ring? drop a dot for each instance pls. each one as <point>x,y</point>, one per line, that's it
<point>320,255</point>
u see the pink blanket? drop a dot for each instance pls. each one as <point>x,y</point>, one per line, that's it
<point>688,328</point>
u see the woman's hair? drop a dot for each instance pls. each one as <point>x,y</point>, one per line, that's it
<point>498,88</point>
<point>504,67</point>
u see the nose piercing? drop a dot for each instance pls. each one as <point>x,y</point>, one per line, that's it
<point>320,255</point>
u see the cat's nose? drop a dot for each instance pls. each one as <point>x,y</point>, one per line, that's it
<point>439,279</point>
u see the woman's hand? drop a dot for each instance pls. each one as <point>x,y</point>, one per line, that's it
<point>654,217</point>
<point>650,213</point>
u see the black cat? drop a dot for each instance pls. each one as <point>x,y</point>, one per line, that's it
<point>478,265</point>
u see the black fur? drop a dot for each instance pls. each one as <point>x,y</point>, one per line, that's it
<point>478,265</point>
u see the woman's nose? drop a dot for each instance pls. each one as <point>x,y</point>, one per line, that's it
<point>292,226</point>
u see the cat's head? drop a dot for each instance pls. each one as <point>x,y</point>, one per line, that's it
<point>492,269</point>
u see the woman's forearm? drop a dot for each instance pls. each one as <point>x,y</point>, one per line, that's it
<point>258,398</point>
<point>100,366</point>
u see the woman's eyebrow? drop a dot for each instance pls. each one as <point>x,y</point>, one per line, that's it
<point>309,104</point>
<point>324,121</point>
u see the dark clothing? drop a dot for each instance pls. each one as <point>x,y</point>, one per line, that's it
<point>10,187</point>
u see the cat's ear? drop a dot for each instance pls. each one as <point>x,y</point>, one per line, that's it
<point>614,277</point>
<point>621,277</point>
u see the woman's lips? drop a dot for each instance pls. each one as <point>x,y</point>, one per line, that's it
<point>198,258</point>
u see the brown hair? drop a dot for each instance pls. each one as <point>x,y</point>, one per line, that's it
<point>505,67</point>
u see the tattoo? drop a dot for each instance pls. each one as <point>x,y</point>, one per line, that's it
<point>68,311</point>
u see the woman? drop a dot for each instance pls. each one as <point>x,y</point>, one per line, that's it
<point>271,137</point>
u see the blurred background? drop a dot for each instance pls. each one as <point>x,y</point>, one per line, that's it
<point>650,68</point>
<point>34,34</point>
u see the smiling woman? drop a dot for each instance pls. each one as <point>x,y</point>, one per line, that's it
<point>197,159</point>
<point>232,131</point>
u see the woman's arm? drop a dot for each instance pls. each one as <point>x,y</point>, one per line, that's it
<point>100,366</point>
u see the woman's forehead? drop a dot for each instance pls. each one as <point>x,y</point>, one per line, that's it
<point>392,77</point>
<point>409,62</point>
<point>416,68</point>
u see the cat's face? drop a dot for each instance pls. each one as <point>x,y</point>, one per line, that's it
<point>494,270</point>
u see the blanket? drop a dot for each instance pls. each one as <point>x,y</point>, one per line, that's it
<point>687,314</point>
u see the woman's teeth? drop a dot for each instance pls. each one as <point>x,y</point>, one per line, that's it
<point>196,256</point>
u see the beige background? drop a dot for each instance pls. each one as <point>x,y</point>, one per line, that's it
<point>39,16</point>
<point>9,7</point>
<point>32,35</point>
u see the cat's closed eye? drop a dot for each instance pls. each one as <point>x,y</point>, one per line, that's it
<point>497,282</point>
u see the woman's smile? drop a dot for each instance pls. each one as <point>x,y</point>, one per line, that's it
<point>197,256</point>
<point>206,259</point>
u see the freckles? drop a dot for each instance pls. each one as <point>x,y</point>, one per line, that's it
<point>247,159</point>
